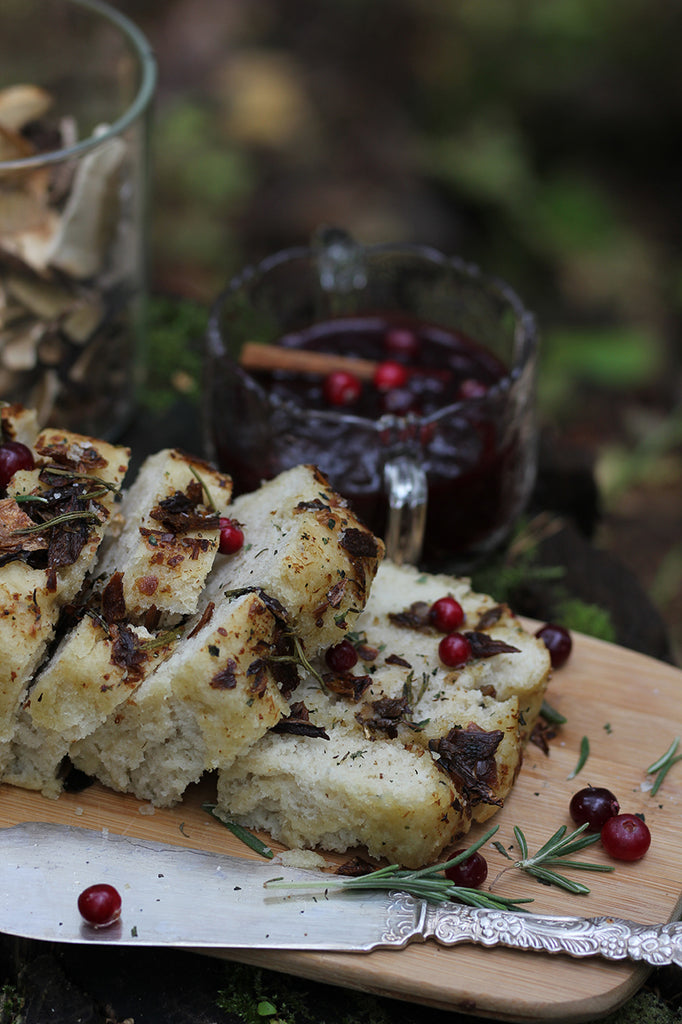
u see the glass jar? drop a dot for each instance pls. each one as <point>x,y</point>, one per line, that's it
<point>76,83</point>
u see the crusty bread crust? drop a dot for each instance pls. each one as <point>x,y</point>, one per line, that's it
<point>305,547</point>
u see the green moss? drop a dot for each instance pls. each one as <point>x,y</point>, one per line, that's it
<point>257,996</point>
<point>175,329</point>
<point>644,1008</point>
<point>11,1006</point>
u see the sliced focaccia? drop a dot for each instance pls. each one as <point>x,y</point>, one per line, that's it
<point>51,525</point>
<point>222,687</point>
<point>94,670</point>
<point>399,754</point>
<point>169,535</point>
<point>305,547</point>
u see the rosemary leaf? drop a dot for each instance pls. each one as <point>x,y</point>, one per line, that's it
<point>521,840</point>
<point>243,834</point>
<point>66,517</point>
<point>664,758</point>
<point>551,715</point>
<point>552,878</point>
<point>584,754</point>
<point>663,772</point>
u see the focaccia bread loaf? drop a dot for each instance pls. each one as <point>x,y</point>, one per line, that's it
<point>332,780</point>
<point>220,689</point>
<point>305,547</point>
<point>169,536</point>
<point>51,525</point>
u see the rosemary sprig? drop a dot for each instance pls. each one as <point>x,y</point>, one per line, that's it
<point>65,517</point>
<point>428,883</point>
<point>663,765</point>
<point>241,833</point>
<point>59,471</point>
<point>553,854</point>
<point>582,757</point>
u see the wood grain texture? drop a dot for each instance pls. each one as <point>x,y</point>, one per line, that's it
<point>629,707</point>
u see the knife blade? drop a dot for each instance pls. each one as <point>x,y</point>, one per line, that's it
<point>174,896</point>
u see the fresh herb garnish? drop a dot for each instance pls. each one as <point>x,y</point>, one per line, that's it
<point>427,883</point>
<point>553,854</point>
<point>582,757</point>
<point>241,833</point>
<point>551,715</point>
<point>663,765</point>
<point>65,517</point>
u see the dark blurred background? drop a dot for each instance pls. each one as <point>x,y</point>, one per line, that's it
<point>538,138</point>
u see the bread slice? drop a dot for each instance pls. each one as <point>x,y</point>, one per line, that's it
<point>305,547</point>
<point>95,669</point>
<point>335,782</point>
<point>170,534</point>
<point>162,546</point>
<point>73,484</point>
<point>217,693</point>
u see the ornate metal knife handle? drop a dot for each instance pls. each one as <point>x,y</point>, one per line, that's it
<point>609,937</point>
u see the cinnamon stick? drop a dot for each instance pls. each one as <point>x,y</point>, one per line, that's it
<point>255,356</point>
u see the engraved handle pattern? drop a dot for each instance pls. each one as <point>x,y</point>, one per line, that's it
<point>609,937</point>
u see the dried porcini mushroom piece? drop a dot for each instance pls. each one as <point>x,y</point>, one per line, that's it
<point>490,617</point>
<point>113,601</point>
<point>226,677</point>
<point>126,651</point>
<point>346,684</point>
<point>355,867</point>
<point>384,715</point>
<point>485,646</point>
<point>182,511</point>
<point>14,527</point>
<point>468,757</point>
<point>359,543</point>
<point>415,617</point>
<point>298,723</point>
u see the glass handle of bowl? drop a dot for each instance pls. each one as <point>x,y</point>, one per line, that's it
<point>406,487</point>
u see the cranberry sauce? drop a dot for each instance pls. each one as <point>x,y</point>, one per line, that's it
<point>470,455</point>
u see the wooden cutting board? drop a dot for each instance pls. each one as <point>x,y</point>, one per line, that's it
<point>630,708</point>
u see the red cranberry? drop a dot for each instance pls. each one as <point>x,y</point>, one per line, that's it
<point>625,837</point>
<point>472,388</point>
<point>446,614</point>
<point>401,341</point>
<point>454,650</point>
<point>341,657</point>
<point>389,375</point>
<point>13,456</point>
<point>341,388</point>
<point>558,642</point>
<point>100,905</point>
<point>231,536</point>
<point>470,873</point>
<point>593,806</point>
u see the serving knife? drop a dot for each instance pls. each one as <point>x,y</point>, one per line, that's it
<point>174,896</point>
